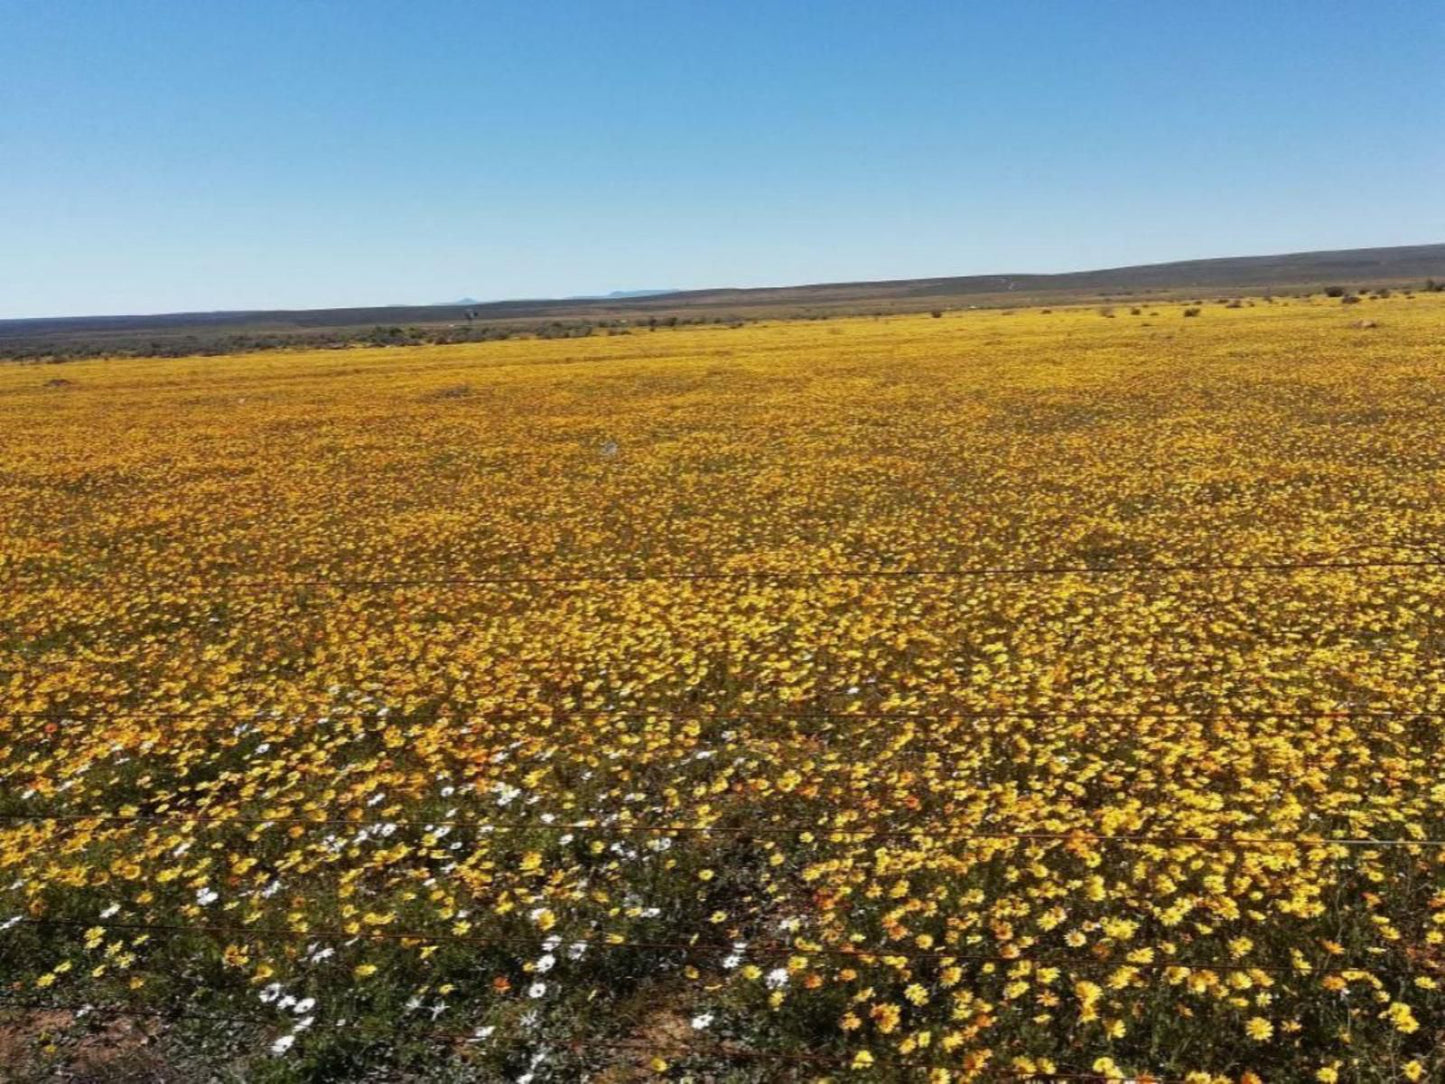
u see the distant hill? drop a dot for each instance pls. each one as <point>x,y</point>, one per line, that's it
<point>620,293</point>
<point>215,331</point>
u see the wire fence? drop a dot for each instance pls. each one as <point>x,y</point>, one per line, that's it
<point>523,710</point>
<point>855,831</point>
<point>854,953</point>
<point>763,575</point>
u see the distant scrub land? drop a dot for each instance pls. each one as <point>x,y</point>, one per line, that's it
<point>1350,272</point>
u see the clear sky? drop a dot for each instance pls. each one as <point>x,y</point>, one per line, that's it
<point>209,154</point>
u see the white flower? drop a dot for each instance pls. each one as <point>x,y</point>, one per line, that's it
<point>271,993</point>
<point>731,961</point>
<point>482,1034</point>
<point>205,897</point>
<point>545,964</point>
<point>701,1021</point>
<point>777,978</point>
<point>283,1044</point>
<point>305,1022</point>
<point>113,909</point>
<point>286,1002</point>
<point>536,990</point>
<point>304,1006</point>
<point>13,920</point>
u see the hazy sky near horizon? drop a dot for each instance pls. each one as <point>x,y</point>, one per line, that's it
<point>162,156</point>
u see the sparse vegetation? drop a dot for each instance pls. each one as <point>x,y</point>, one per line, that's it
<point>184,335</point>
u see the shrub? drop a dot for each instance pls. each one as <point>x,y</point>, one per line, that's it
<point>1191,312</point>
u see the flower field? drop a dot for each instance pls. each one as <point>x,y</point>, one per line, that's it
<point>1005,696</point>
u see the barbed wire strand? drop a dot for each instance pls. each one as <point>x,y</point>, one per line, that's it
<point>767,575</point>
<point>521,709</point>
<point>851,952</point>
<point>792,828</point>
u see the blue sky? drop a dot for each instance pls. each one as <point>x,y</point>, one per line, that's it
<point>162,156</point>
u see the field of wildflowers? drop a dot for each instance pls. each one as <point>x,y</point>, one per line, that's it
<point>1002,696</point>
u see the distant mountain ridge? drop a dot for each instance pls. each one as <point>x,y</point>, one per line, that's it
<point>1299,270</point>
<point>615,294</point>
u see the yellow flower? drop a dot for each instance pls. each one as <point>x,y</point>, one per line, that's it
<point>1106,1067</point>
<point>885,1016</point>
<point>1402,1018</point>
<point>362,971</point>
<point>1259,1029</point>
